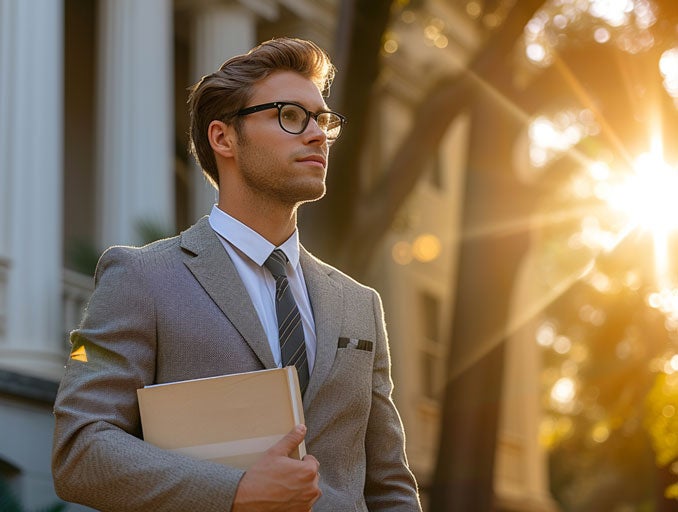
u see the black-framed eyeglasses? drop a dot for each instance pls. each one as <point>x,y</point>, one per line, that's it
<point>293,118</point>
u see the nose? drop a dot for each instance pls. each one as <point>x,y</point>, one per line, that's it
<point>313,134</point>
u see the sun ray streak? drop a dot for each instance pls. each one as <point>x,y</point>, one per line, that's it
<point>521,115</point>
<point>529,313</point>
<point>586,100</point>
<point>525,224</point>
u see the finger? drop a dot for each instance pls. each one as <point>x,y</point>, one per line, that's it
<point>311,458</point>
<point>289,442</point>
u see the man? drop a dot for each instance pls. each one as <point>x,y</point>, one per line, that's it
<point>204,304</point>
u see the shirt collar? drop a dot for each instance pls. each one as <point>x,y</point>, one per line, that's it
<point>248,241</point>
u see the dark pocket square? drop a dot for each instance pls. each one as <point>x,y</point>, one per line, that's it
<point>355,343</point>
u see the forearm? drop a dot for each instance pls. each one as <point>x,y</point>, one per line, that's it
<point>110,470</point>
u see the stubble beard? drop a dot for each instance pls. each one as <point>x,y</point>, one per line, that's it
<point>261,172</point>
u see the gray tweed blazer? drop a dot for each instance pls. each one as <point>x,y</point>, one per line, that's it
<point>177,309</point>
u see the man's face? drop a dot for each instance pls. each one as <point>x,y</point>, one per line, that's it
<point>277,165</point>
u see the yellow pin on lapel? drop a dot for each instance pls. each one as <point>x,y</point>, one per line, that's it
<point>79,354</point>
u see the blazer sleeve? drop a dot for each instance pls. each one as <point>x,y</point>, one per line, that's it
<point>389,483</point>
<point>99,458</point>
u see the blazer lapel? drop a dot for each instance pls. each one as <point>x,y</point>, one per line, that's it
<point>326,301</point>
<point>215,271</point>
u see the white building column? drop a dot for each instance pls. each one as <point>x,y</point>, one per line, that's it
<point>31,128</point>
<point>219,32</point>
<point>521,469</point>
<point>135,144</point>
<point>7,59</point>
<point>6,77</point>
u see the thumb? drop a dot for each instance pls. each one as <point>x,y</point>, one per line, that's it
<point>289,442</point>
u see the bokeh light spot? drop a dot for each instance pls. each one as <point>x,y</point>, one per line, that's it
<point>426,248</point>
<point>402,253</point>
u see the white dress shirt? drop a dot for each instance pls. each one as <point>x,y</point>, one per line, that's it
<point>248,251</point>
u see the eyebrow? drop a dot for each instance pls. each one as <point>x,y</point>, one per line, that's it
<point>323,108</point>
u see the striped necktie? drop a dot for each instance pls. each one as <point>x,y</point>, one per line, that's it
<point>290,329</point>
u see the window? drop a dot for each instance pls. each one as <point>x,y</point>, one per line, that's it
<point>432,353</point>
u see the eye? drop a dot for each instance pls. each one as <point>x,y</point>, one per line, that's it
<point>292,114</point>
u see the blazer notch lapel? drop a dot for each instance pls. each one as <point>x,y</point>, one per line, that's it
<point>326,298</point>
<point>215,272</point>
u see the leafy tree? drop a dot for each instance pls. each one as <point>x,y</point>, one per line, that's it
<point>602,437</point>
<point>10,503</point>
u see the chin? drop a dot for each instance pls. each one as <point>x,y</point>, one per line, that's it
<point>311,193</point>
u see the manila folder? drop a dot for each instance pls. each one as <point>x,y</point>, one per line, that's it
<point>230,419</point>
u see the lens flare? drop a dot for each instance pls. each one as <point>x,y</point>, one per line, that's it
<point>647,196</point>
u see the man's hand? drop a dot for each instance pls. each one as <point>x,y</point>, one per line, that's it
<point>277,482</point>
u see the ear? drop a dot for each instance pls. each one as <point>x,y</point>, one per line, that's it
<point>222,138</point>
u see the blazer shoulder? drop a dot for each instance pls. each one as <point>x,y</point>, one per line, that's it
<point>189,239</point>
<point>346,281</point>
<point>131,252</point>
<point>155,254</point>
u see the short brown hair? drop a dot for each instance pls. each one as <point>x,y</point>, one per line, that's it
<point>223,93</point>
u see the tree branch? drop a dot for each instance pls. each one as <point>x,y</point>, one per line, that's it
<point>443,104</point>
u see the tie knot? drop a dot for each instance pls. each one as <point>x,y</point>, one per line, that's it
<point>276,263</point>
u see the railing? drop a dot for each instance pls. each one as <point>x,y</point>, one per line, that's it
<point>77,289</point>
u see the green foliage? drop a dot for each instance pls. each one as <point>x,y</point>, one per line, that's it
<point>83,255</point>
<point>607,439</point>
<point>149,231</point>
<point>661,419</point>
<point>661,422</point>
<point>10,503</point>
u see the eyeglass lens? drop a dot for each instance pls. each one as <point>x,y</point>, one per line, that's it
<point>294,119</point>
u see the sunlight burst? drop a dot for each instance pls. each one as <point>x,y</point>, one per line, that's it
<point>647,197</point>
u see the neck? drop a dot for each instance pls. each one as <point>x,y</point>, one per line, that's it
<point>273,221</point>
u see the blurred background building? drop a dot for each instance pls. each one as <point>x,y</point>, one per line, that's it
<point>93,137</point>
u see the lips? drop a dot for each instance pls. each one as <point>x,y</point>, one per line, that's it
<point>314,158</point>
